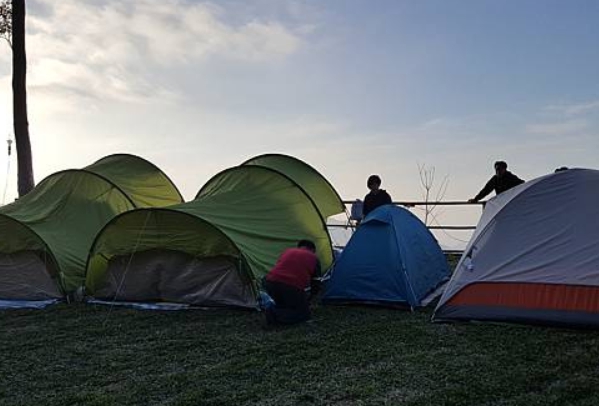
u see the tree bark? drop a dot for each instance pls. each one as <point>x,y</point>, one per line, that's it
<point>19,91</point>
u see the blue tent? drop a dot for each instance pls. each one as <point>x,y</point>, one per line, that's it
<point>392,258</point>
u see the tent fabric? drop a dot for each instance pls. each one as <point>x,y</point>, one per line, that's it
<point>64,212</point>
<point>392,258</point>
<point>314,184</point>
<point>24,275</point>
<point>60,217</point>
<point>156,231</point>
<point>263,212</point>
<point>249,213</point>
<point>534,256</point>
<point>144,183</point>
<point>147,277</point>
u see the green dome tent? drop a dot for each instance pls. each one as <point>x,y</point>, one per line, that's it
<point>45,236</point>
<point>314,184</point>
<point>142,181</point>
<point>211,251</point>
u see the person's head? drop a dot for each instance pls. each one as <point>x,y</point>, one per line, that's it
<point>307,245</point>
<point>374,182</point>
<point>500,168</point>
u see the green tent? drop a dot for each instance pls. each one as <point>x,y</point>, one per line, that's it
<point>314,184</point>
<point>46,235</point>
<point>211,251</point>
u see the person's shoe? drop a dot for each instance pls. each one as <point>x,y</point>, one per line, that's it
<point>265,301</point>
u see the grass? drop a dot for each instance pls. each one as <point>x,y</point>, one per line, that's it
<point>87,355</point>
<point>92,355</point>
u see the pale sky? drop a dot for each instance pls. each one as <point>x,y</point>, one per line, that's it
<point>353,87</point>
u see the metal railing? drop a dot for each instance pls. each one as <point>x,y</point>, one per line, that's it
<point>409,204</point>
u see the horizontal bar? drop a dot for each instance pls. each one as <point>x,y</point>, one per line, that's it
<point>451,227</point>
<point>429,227</point>
<point>420,203</point>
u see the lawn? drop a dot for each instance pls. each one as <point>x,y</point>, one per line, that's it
<point>93,355</point>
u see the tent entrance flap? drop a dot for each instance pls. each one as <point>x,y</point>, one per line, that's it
<point>160,275</point>
<point>25,276</point>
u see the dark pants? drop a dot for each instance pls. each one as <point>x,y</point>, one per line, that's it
<point>292,304</point>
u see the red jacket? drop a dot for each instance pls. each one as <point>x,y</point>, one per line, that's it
<point>295,267</point>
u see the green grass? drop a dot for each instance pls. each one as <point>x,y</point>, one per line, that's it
<point>89,355</point>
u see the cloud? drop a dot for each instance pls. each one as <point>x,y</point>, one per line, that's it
<point>575,108</point>
<point>118,51</point>
<point>566,127</point>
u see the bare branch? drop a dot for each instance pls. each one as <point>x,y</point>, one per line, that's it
<point>427,181</point>
<point>441,191</point>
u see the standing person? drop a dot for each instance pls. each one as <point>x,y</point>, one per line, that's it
<point>500,182</point>
<point>295,271</point>
<point>376,197</point>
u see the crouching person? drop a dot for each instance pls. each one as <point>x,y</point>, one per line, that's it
<point>287,284</point>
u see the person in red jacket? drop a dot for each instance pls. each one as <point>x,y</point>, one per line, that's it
<point>287,284</point>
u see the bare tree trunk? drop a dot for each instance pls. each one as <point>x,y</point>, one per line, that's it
<point>21,125</point>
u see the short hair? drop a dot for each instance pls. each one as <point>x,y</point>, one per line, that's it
<point>500,164</point>
<point>372,179</point>
<point>306,244</point>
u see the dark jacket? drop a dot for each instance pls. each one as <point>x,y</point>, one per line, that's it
<point>499,184</point>
<point>374,200</point>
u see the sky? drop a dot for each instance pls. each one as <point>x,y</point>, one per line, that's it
<point>353,87</point>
